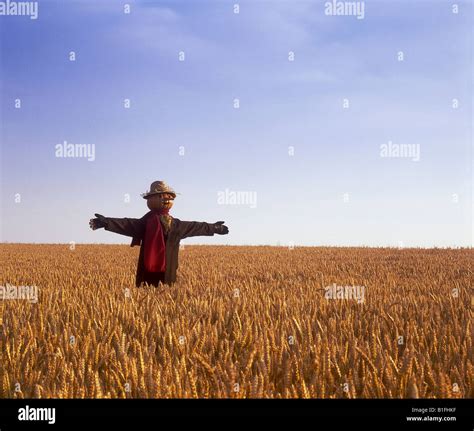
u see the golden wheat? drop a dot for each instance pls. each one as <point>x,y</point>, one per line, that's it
<point>240,322</point>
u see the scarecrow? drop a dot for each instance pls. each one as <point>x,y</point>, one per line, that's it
<point>158,235</point>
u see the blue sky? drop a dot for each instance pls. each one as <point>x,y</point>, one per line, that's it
<point>190,104</point>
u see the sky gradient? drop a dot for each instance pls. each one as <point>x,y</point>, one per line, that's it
<point>335,188</point>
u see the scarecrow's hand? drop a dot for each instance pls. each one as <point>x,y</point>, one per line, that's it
<point>220,228</point>
<point>97,223</point>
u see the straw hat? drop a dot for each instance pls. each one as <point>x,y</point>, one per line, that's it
<point>158,187</point>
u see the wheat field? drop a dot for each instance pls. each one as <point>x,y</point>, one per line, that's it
<point>240,322</point>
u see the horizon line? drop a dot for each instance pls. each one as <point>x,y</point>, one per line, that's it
<point>293,246</point>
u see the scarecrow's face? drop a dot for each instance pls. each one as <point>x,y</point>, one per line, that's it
<point>160,201</point>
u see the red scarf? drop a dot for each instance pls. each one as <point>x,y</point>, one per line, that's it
<point>154,242</point>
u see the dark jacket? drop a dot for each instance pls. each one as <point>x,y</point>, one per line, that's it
<point>178,230</point>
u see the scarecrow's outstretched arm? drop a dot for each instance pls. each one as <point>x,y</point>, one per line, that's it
<point>198,228</point>
<point>123,226</point>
